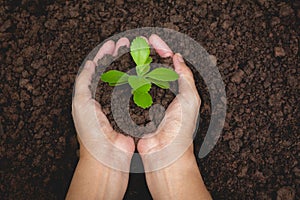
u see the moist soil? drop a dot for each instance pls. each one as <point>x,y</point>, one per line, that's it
<point>121,95</point>
<point>256,47</point>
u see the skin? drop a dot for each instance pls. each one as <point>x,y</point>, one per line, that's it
<point>92,179</point>
<point>180,179</point>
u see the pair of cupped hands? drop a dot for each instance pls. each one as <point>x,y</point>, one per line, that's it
<point>176,128</point>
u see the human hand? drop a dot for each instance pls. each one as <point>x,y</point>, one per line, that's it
<point>169,162</point>
<point>96,135</point>
<point>175,133</point>
<point>105,155</point>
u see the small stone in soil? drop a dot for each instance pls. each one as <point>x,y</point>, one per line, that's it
<point>279,52</point>
<point>237,77</point>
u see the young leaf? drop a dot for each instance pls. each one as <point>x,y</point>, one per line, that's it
<point>148,61</point>
<point>161,84</point>
<point>139,50</point>
<point>144,88</point>
<point>162,74</point>
<point>117,84</point>
<point>136,82</point>
<point>141,70</point>
<point>114,77</point>
<point>142,99</point>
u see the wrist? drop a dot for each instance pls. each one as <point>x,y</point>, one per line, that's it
<point>158,161</point>
<point>180,178</point>
<point>97,181</point>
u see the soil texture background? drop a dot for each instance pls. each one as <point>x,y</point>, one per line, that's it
<point>256,47</point>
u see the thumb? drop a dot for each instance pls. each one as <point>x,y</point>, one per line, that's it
<point>186,81</point>
<point>82,92</point>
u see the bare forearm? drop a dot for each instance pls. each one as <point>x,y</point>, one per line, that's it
<point>93,180</point>
<point>180,180</point>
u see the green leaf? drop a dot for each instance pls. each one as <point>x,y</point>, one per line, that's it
<point>137,82</point>
<point>141,70</point>
<point>139,51</point>
<point>142,99</point>
<point>114,77</point>
<point>144,88</point>
<point>162,74</point>
<point>148,61</point>
<point>117,84</point>
<point>161,84</point>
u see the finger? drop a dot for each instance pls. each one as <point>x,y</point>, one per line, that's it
<point>160,46</point>
<point>83,81</point>
<point>107,48</point>
<point>121,42</point>
<point>186,81</point>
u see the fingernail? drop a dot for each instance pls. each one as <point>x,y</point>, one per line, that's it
<point>179,58</point>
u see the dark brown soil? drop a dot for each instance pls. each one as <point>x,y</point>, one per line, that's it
<point>141,117</point>
<point>256,44</point>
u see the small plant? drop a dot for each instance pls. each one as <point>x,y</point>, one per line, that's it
<point>141,82</point>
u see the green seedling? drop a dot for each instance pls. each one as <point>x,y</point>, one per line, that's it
<point>141,82</point>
